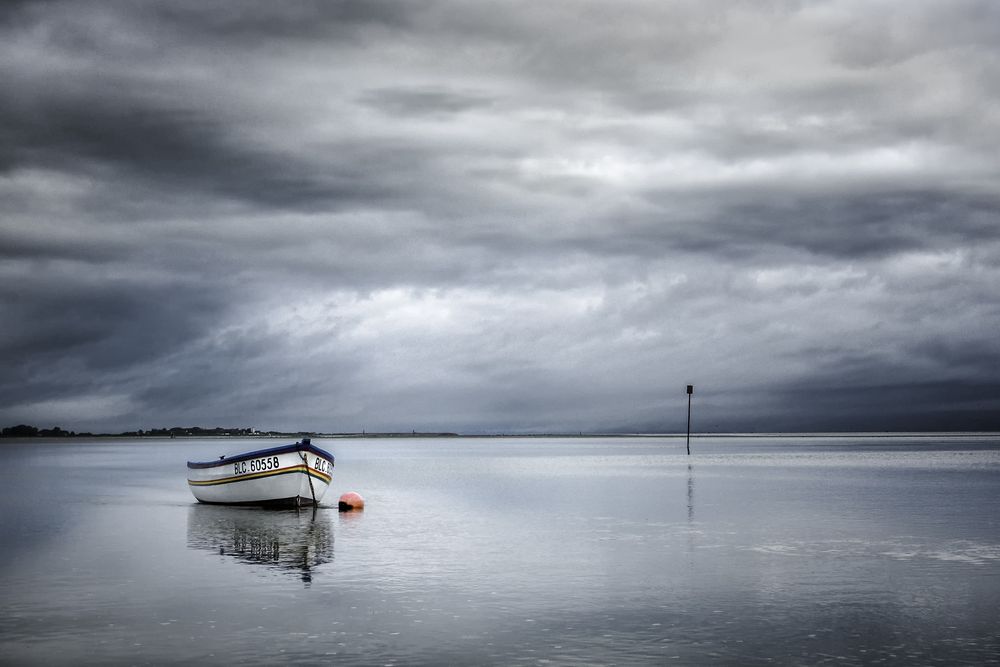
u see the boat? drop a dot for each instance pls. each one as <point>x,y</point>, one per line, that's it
<point>289,475</point>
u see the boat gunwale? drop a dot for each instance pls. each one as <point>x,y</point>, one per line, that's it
<point>300,468</point>
<point>281,449</point>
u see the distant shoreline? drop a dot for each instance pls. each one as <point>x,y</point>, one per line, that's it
<point>425,435</point>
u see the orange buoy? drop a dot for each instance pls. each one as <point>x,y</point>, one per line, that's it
<point>351,501</point>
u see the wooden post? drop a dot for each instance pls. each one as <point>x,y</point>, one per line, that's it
<point>690,391</point>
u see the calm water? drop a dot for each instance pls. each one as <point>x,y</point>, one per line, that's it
<point>512,551</point>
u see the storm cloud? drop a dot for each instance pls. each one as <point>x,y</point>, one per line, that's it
<point>510,217</point>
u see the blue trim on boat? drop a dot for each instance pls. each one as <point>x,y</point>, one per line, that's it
<point>304,446</point>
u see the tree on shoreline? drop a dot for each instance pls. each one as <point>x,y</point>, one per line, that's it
<point>28,431</point>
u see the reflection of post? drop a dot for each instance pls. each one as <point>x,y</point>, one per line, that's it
<point>690,391</point>
<point>690,494</point>
<point>307,544</point>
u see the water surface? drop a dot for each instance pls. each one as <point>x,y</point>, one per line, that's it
<point>840,550</point>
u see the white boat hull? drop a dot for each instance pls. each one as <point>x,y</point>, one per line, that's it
<point>297,474</point>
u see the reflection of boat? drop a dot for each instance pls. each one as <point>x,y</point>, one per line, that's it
<point>284,539</point>
<point>296,474</point>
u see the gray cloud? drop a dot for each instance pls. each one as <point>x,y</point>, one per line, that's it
<point>500,217</point>
<point>404,102</point>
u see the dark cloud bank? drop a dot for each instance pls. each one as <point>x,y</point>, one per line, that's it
<point>509,217</point>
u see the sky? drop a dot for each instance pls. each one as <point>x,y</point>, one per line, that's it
<point>501,217</point>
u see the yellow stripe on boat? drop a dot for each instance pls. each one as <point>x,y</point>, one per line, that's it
<point>258,475</point>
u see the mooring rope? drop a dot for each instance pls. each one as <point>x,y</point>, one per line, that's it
<point>312,491</point>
